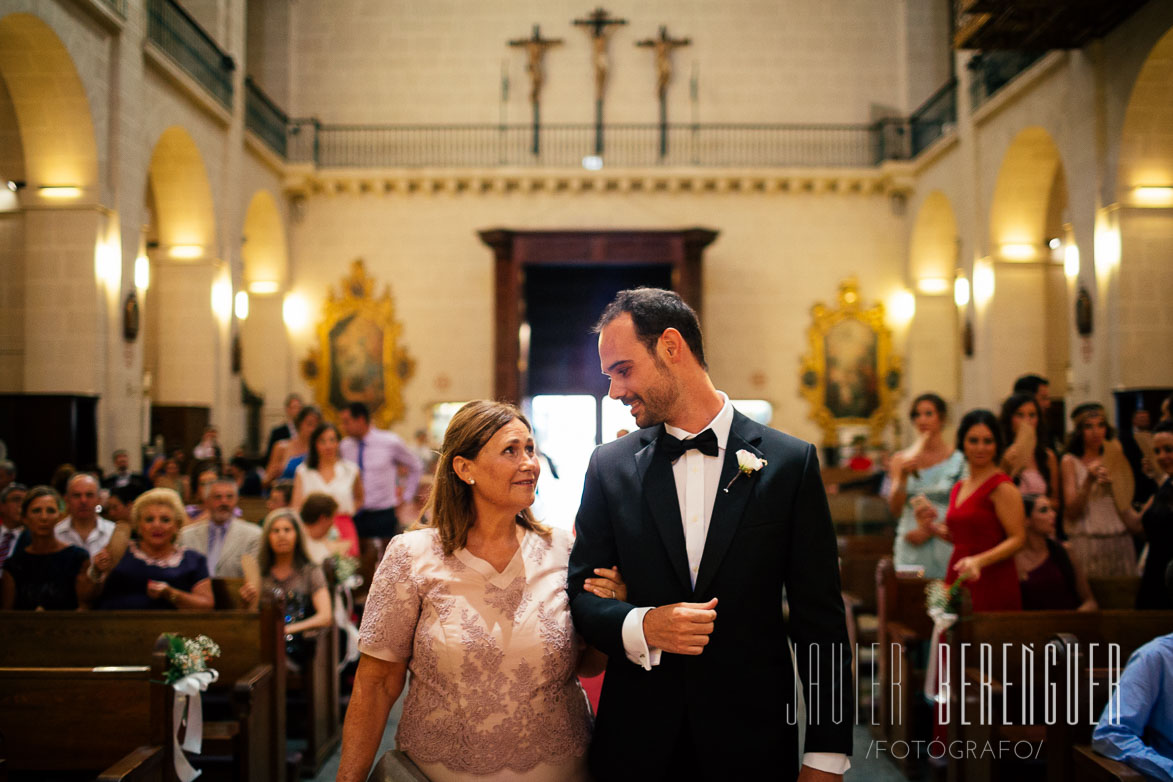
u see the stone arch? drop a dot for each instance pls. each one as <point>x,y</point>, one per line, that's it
<point>49,101</point>
<point>933,339</point>
<point>1029,196</point>
<point>933,247</point>
<point>180,196</point>
<point>263,252</point>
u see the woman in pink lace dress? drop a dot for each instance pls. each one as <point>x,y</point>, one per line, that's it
<point>475,606</point>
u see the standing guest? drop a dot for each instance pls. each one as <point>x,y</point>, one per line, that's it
<point>280,495</point>
<point>83,526</point>
<point>1036,472</point>
<point>118,504</point>
<point>475,606</point>
<point>379,454</point>
<point>1038,387</point>
<point>1049,580</point>
<point>7,472</point>
<point>921,478</point>
<point>122,475</point>
<point>986,519</point>
<point>1101,539</point>
<point>287,428</point>
<point>248,479</point>
<point>155,572</point>
<point>47,574</point>
<point>700,681</point>
<point>13,535</point>
<point>286,566</point>
<point>1142,426</point>
<point>326,533</point>
<point>223,538</point>
<point>1157,520</point>
<point>287,454</point>
<point>171,477</point>
<point>325,471</point>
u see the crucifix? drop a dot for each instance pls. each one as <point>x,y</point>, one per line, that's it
<point>597,25</point>
<point>535,51</point>
<point>663,47</point>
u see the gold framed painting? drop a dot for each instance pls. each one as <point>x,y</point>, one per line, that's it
<point>358,357</point>
<point>850,377</point>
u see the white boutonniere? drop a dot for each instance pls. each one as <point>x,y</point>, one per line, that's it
<point>747,464</point>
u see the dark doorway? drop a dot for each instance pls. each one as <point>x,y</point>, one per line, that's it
<point>562,303</point>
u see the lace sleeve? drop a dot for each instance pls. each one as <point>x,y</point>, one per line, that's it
<point>393,607</point>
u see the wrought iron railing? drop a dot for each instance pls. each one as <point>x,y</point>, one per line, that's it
<point>725,145</point>
<point>171,29</point>
<point>264,118</point>
<point>991,71</point>
<point>936,117</point>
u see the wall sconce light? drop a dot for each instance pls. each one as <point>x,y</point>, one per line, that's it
<point>186,251</point>
<point>16,184</point>
<point>1071,261</point>
<point>240,305</point>
<point>1153,195</point>
<point>960,290</point>
<point>295,312</point>
<point>222,298</point>
<point>264,286</point>
<point>983,283</point>
<point>1107,245</point>
<point>59,192</point>
<point>106,264</point>
<point>902,307</point>
<point>932,286</point>
<point>1055,243</point>
<point>142,272</point>
<point>1017,251</point>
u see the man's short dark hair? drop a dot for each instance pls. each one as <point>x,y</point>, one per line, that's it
<point>120,452</point>
<point>653,310</point>
<point>359,410</point>
<point>1029,384</point>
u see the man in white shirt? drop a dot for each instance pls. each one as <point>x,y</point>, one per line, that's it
<point>83,526</point>
<point>709,516</point>
<point>390,472</point>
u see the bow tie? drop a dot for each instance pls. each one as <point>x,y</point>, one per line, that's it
<point>673,449</point>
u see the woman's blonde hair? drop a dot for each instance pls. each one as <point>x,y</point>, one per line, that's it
<point>301,556</point>
<point>450,506</point>
<point>168,498</point>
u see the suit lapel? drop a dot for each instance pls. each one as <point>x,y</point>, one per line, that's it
<point>729,506</point>
<point>659,490</point>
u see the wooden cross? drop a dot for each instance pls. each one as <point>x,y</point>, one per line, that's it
<point>597,23</point>
<point>663,47</point>
<point>535,51</point>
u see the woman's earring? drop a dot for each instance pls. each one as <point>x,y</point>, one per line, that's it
<point>471,481</point>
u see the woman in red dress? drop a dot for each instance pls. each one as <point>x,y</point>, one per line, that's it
<point>985,518</point>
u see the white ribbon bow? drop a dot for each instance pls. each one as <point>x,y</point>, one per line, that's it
<point>187,698</point>
<point>942,621</point>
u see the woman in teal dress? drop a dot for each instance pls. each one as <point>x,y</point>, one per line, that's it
<point>921,479</point>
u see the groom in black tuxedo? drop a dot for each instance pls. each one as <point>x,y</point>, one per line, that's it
<point>700,683</point>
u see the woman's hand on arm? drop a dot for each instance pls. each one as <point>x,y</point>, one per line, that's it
<point>608,584</point>
<point>377,685</point>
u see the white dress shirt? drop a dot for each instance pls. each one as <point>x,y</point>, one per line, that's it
<point>697,477</point>
<point>96,541</point>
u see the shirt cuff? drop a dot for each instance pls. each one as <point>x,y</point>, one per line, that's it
<point>634,643</point>
<point>831,762</point>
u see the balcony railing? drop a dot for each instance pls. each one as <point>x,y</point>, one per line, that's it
<point>171,29</point>
<point>936,117</point>
<point>117,6</point>
<point>468,146</point>
<point>991,71</point>
<point>263,117</point>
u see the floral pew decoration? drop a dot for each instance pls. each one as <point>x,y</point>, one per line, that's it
<point>188,673</point>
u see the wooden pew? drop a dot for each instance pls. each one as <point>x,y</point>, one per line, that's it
<point>1091,767</point>
<point>251,687</point>
<point>903,632</point>
<point>1115,591</point>
<point>858,557</point>
<point>57,720</point>
<point>1019,629</point>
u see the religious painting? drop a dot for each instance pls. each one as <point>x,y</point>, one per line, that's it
<point>358,357</point>
<point>850,377</point>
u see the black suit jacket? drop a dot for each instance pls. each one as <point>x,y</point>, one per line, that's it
<point>772,530</point>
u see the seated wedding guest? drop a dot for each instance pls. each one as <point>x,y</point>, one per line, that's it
<point>286,566</point>
<point>985,519</point>
<point>475,605</point>
<point>248,478</point>
<point>223,538</point>
<point>46,574</point>
<point>83,526</point>
<point>288,454</point>
<point>1049,580</point>
<point>280,495</point>
<point>154,572</point>
<point>921,478</point>
<point>13,535</point>
<point>1100,537</point>
<point>326,532</point>
<point>170,477</point>
<point>1137,727</point>
<point>1157,520</point>
<point>325,471</point>
<point>1037,470</point>
<point>205,474</point>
